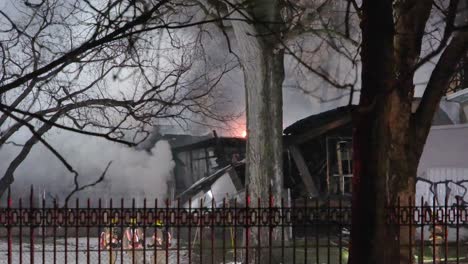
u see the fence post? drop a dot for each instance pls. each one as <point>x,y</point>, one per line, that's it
<point>411,235</point>
<point>145,224</point>
<point>434,215</point>
<point>77,231</point>
<point>458,230</point>
<point>246,223</point>
<point>43,223</point>
<point>167,223</point>
<point>88,219</point>
<point>10,240</point>
<point>31,225</point>
<point>100,221</point>
<point>54,232</point>
<point>271,227</point>
<point>446,229</point>
<point>423,220</point>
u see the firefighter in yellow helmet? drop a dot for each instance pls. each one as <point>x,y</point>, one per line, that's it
<point>111,240</point>
<point>161,241</point>
<point>134,239</point>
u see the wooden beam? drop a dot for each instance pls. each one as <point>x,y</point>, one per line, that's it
<point>303,170</point>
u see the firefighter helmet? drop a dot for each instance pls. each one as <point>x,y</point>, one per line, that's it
<point>158,223</point>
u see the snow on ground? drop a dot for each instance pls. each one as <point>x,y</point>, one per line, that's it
<point>46,254</point>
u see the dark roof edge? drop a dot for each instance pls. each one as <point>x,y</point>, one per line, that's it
<point>320,119</point>
<point>209,142</point>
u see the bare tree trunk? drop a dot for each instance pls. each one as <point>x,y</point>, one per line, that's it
<point>379,138</point>
<point>388,137</point>
<point>262,64</point>
<point>7,179</point>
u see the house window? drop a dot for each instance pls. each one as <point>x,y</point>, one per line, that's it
<point>340,165</point>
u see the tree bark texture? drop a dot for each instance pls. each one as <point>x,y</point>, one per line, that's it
<point>388,137</point>
<point>262,64</point>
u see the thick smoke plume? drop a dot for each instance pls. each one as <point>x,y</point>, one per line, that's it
<point>132,174</point>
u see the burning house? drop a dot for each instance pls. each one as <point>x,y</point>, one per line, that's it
<point>214,168</point>
<point>317,158</point>
<point>201,167</point>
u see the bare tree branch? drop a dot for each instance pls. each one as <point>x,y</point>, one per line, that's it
<point>79,188</point>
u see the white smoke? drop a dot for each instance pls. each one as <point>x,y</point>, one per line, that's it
<point>132,174</point>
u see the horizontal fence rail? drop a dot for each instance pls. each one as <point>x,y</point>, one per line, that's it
<point>437,232</point>
<point>174,217</point>
<point>229,231</point>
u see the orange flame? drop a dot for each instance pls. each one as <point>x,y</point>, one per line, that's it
<point>244,134</point>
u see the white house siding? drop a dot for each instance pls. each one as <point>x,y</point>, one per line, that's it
<point>445,157</point>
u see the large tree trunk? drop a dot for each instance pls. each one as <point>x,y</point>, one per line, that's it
<point>262,64</point>
<point>383,166</point>
<point>388,138</point>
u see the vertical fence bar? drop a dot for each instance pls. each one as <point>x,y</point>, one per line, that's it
<point>246,221</point>
<point>136,235</point>
<point>133,231</point>
<point>293,222</point>
<point>178,222</point>
<point>66,233</point>
<point>145,223</point>
<point>224,231</point>
<point>235,230</point>
<point>21,230</point>
<point>43,221</point>
<point>167,222</point>
<point>421,241</point>
<point>212,219</point>
<point>305,229</point>
<point>259,237</point>
<point>340,231</point>
<point>88,253</point>
<point>31,226</point>
<point>317,237</point>
<point>9,221</point>
<point>270,227</point>
<point>201,229</point>
<point>399,222</point>
<point>283,226</point>
<point>328,231</point>
<point>190,232</point>
<point>110,225</point>
<point>155,251</point>
<point>434,214</point>
<point>410,232</point>
<point>54,232</point>
<point>446,229</point>
<point>122,230</point>
<point>457,230</point>
<point>76,215</point>
<point>100,219</point>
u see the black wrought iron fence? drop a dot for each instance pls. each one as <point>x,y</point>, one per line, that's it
<point>437,230</point>
<point>227,231</point>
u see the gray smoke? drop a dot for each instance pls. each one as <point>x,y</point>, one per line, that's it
<point>133,173</point>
